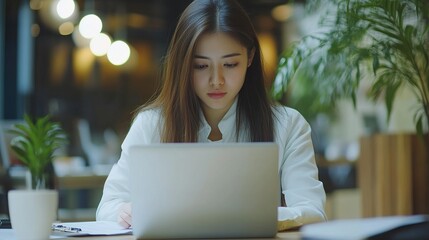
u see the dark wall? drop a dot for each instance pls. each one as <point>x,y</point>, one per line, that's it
<point>10,21</point>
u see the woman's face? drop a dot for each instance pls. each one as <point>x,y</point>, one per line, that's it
<point>219,69</point>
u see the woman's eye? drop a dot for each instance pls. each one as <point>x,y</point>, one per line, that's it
<point>200,66</point>
<point>230,65</point>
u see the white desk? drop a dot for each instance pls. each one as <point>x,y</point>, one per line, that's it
<point>8,234</point>
<point>293,235</point>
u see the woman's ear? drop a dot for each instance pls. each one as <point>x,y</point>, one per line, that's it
<point>251,55</point>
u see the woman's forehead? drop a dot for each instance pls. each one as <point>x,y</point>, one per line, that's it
<point>218,44</point>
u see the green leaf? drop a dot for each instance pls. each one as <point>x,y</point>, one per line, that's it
<point>391,90</point>
<point>419,125</point>
<point>375,63</point>
<point>35,142</point>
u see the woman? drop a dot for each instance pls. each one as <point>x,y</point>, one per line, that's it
<point>214,92</point>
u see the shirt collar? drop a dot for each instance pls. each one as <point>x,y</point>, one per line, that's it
<point>226,125</point>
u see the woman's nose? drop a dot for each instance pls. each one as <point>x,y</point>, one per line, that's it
<point>217,77</point>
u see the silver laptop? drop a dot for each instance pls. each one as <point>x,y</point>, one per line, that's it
<point>203,190</point>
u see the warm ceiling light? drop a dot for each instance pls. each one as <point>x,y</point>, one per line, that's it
<point>66,28</point>
<point>53,13</point>
<point>65,8</point>
<point>90,26</point>
<point>119,53</point>
<point>282,12</point>
<point>36,4</point>
<point>100,44</point>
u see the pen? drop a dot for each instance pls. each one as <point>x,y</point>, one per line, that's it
<point>62,228</point>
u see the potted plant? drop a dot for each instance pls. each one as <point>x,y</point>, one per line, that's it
<point>35,144</point>
<point>385,42</point>
<point>32,211</point>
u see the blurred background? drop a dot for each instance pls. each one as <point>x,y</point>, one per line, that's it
<point>50,66</point>
<point>91,63</point>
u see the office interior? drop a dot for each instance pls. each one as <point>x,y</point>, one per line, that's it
<point>48,67</point>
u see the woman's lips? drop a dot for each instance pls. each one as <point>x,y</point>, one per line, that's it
<point>216,95</point>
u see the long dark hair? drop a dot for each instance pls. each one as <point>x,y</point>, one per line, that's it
<point>180,107</point>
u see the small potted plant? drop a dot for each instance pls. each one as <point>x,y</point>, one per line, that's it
<point>32,211</point>
<point>35,144</point>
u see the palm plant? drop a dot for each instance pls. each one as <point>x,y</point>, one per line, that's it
<point>35,144</point>
<point>386,38</point>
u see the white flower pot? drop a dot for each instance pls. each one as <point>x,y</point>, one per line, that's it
<point>32,213</point>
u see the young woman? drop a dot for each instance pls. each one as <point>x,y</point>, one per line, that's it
<point>214,92</point>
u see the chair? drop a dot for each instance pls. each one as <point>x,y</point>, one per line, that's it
<point>104,153</point>
<point>7,156</point>
<point>8,174</point>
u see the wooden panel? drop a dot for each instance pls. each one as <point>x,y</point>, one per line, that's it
<point>366,174</point>
<point>420,156</point>
<point>382,176</point>
<point>403,172</point>
<point>393,175</point>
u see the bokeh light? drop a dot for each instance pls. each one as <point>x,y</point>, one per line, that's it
<point>66,28</point>
<point>65,8</point>
<point>90,26</point>
<point>100,44</point>
<point>119,53</point>
<point>282,12</point>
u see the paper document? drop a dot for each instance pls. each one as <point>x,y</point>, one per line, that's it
<point>286,219</point>
<point>363,228</point>
<point>90,228</point>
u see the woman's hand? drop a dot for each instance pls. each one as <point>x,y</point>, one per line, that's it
<point>124,215</point>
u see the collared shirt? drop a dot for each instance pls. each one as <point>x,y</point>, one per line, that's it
<point>303,192</point>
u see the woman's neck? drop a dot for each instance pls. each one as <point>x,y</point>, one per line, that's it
<point>213,118</point>
<point>215,134</point>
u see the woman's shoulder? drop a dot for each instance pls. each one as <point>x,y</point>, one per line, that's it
<point>144,127</point>
<point>286,113</point>
<point>147,115</point>
<point>289,123</point>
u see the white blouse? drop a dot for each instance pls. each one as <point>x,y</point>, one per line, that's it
<point>303,192</point>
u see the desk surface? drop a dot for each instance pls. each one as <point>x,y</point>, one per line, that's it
<point>289,235</point>
<point>8,234</point>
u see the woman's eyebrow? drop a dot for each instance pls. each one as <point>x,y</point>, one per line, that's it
<point>224,56</point>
